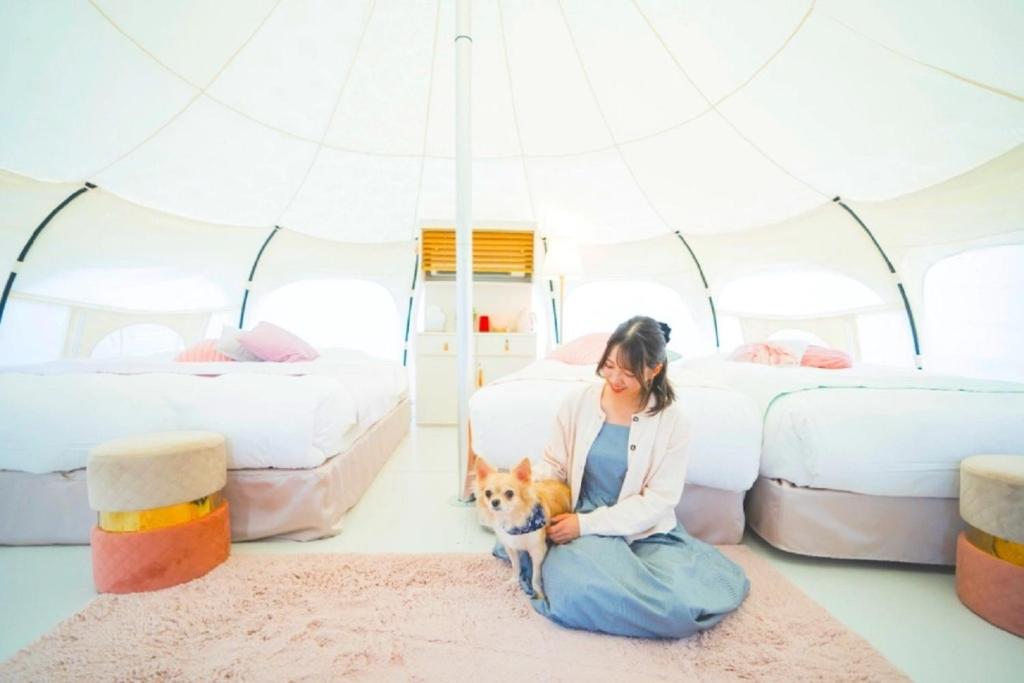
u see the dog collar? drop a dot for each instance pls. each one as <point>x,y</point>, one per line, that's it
<point>536,520</point>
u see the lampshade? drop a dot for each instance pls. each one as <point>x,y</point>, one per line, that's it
<point>562,258</point>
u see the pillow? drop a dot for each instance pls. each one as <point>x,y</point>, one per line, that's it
<point>829,359</point>
<point>203,352</point>
<point>585,350</point>
<point>230,346</point>
<point>269,342</point>
<point>765,353</point>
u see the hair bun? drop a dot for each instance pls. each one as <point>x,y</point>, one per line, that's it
<point>666,331</point>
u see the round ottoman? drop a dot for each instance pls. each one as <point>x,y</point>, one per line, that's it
<point>162,516</point>
<point>990,554</point>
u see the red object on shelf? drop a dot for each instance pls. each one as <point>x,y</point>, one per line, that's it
<point>485,323</point>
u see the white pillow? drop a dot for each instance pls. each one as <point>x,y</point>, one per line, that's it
<point>229,345</point>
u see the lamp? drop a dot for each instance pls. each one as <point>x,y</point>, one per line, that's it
<point>562,260</point>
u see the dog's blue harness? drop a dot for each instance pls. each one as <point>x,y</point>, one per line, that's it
<point>536,520</point>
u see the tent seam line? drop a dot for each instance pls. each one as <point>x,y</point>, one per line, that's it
<point>515,113</point>
<point>334,111</point>
<point>714,106</point>
<point>196,96</point>
<point>946,72</point>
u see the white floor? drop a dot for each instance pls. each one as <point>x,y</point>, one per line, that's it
<point>910,614</point>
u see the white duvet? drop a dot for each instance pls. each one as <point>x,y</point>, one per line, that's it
<point>283,415</point>
<point>513,418</point>
<point>874,430</point>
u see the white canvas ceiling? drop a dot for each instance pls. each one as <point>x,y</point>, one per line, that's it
<point>611,121</point>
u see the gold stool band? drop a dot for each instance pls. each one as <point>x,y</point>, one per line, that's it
<point>159,518</point>
<point>1009,551</point>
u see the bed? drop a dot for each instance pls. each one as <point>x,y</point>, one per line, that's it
<point>863,463</point>
<point>305,440</point>
<point>512,418</point>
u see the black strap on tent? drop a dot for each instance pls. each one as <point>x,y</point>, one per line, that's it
<point>412,294</point>
<point>252,274</point>
<point>892,271</point>
<point>711,301</point>
<point>551,291</point>
<point>31,240</point>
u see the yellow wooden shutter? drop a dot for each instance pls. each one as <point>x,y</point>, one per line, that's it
<point>495,252</point>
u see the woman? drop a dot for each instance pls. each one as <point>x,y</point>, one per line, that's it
<point>622,563</point>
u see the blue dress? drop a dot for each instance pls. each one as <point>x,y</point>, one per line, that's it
<point>667,585</point>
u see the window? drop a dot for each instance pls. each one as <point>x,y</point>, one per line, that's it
<point>974,314</point>
<point>138,340</point>
<point>884,338</point>
<point>795,293</point>
<point>800,335</point>
<point>353,314</point>
<point>603,306</point>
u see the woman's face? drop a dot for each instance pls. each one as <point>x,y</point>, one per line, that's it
<point>621,380</point>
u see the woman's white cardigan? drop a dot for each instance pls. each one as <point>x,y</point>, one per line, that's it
<point>655,474</point>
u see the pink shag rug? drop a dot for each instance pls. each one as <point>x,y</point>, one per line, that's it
<point>422,617</point>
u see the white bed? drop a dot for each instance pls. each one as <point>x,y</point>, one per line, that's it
<point>512,418</point>
<point>304,439</point>
<point>864,462</point>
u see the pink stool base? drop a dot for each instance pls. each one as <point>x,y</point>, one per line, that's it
<point>991,587</point>
<point>136,561</point>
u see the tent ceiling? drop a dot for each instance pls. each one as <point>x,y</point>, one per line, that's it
<point>617,120</point>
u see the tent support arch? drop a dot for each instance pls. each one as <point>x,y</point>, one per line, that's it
<point>252,274</point>
<point>896,278</point>
<point>408,313</point>
<point>551,295</point>
<point>707,290</point>
<point>31,240</point>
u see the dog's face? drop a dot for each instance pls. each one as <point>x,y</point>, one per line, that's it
<point>504,494</point>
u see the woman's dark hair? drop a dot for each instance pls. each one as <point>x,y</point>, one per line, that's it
<point>641,344</point>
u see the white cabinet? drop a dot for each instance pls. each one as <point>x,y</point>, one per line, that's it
<point>497,354</point>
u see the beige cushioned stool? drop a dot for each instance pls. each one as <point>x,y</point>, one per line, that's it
<point>156,470</point>
<point>990,555</point>
<point>162,517</point>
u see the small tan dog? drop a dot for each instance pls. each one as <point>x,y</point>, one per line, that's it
<point>519,509</point>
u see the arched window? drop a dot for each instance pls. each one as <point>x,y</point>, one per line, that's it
<point>974,313</point>
<point>138,340</point>
<point>353,314</point>
<point>802,292</point>
<point>602,306</point>
<point>801,335</point>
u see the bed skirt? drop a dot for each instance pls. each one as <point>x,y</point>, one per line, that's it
<point>845,525</point>
<point>300,504</point>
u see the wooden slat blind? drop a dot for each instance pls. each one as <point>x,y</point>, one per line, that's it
<point>495,252</point>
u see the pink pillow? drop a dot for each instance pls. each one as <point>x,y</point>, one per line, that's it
<point>203,352</point>
<point>272,343</point>
<point>829,359</point>
<point>585,350</point>
<point>764,353</point>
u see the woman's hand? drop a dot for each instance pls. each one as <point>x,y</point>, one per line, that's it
<point>564,528</point>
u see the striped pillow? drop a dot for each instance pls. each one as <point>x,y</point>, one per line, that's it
<point>203,352</point>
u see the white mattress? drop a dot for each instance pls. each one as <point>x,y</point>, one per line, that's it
<point>871,430</point>
<point>283,415</point>
<point>513,418</point>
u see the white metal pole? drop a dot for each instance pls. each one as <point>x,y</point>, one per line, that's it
<point>463,229</point>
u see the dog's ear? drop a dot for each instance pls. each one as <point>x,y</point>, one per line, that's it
<point>483,469</point>
<point>523,470</point>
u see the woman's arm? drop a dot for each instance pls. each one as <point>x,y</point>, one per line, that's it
<point>639,512</point>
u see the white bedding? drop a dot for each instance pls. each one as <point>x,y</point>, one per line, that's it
<point>873,430</point>
<point>283,415</point>
<point>513,417</point>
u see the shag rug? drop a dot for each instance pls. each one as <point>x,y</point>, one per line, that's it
<point>422,617</point>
